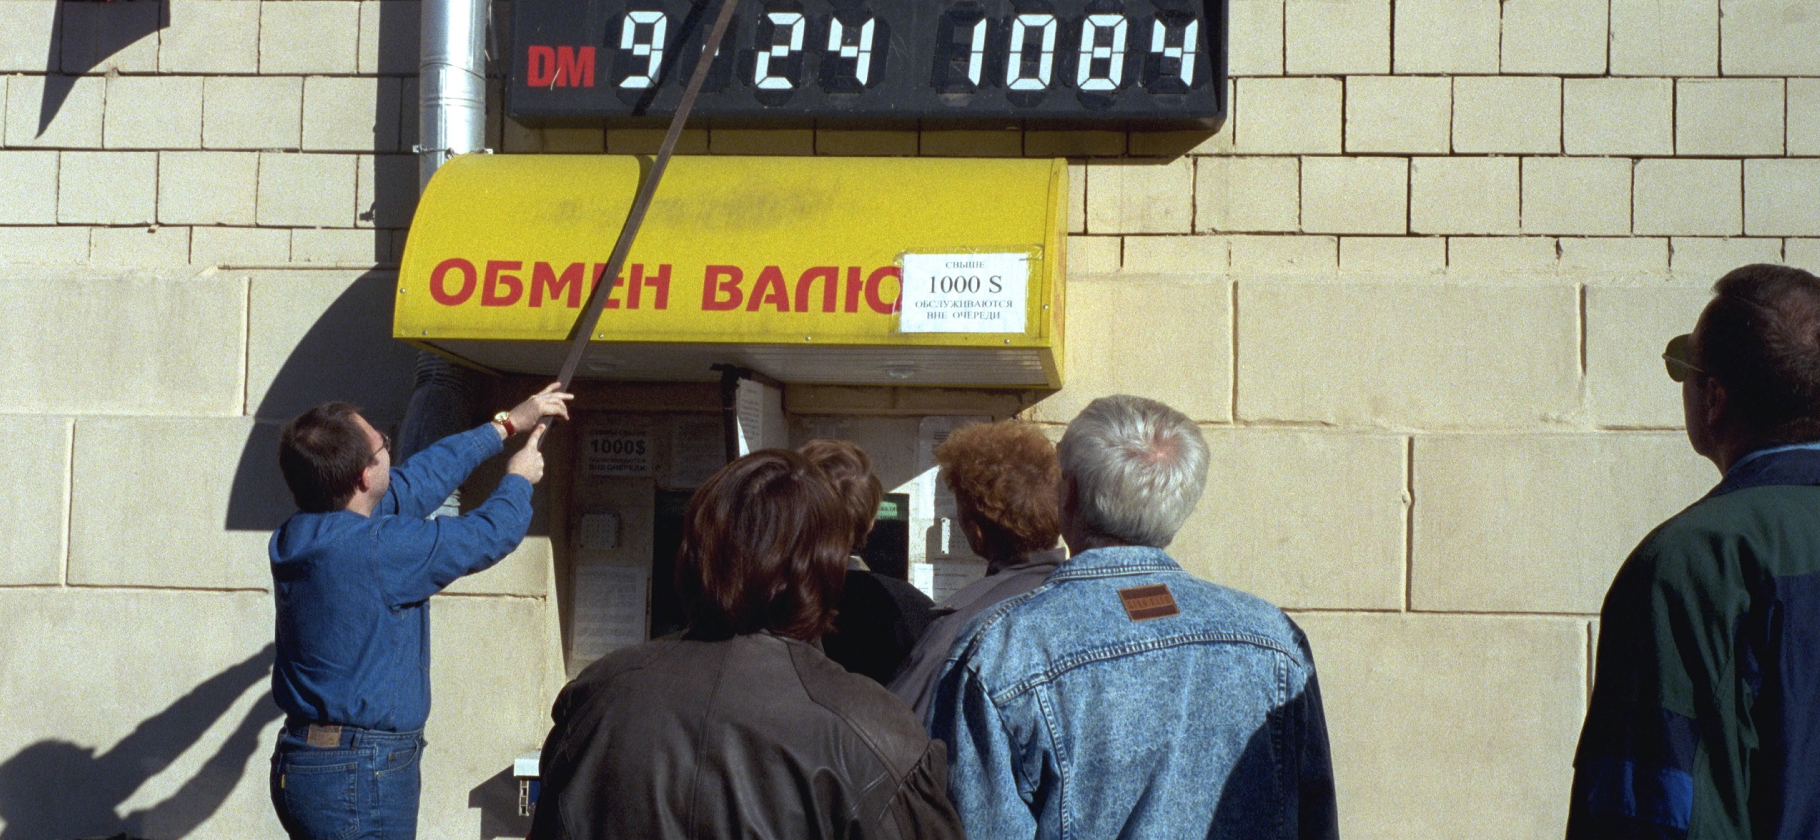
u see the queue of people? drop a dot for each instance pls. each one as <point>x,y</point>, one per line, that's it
<point>1090,689</point>
<point>1102,691</point>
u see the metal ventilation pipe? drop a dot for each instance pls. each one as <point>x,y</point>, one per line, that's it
<point>452,120</point>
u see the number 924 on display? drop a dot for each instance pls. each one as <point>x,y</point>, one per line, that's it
<point>1156,64</point>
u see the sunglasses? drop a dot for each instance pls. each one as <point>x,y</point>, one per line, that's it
<point>1676,358</point>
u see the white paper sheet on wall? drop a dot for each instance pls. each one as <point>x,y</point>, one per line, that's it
<point>609,608</point>
<point>931,432</point>
<point>759,409</point>
<point>950,561</point>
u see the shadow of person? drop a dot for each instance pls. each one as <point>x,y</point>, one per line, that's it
<point>58,789</point>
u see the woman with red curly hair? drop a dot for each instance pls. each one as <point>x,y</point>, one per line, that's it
<point>1004,476</point>
<point>741,727</point>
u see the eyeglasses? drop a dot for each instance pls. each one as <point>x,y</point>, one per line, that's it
<point>1676,357</point>
<point>385,444</point>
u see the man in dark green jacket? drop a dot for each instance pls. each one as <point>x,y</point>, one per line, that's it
<point>1705,713</point>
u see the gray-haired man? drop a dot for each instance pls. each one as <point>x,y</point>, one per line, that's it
<point>1124,697</point>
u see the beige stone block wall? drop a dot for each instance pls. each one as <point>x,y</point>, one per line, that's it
<point>133,695</point>
<point>34,470</point>
<point>123,346</point>
<point>1385,255</point>
<point>1188,322</point>
<point>1308,520</point>
<point>1627,328</point>
<point>1293,255</point>
<point>145,383</point>
<point>1399,114</point>
<point>1247,194</point>
<point>77,125</point>
<point>1712,257</point>
<point>1538,523</point>
<point>498,667</point>
<point>1289,116</point>
<point>1618,116</point>
<point>1507,114</point>
<point>1355,195</point>
<point>1554,36</point>
<point>1336,36</point>
<point>1406,356</point>
<point>1768,38</point>
<point>1415,289</point>
<point>1155,198</point>
<point>1450,725</point>
<point>1516,257</point>
<point>1664,37</point>
<point>1463,195</point>
<point>31,178</point>
<point>1446,36</point>
<point>182,540</point>
<point>1576,195</point>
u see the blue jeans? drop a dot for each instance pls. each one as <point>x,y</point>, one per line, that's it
<point>364,787</point>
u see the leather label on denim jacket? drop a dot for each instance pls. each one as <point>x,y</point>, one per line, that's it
<point>326,737</point>
<point>1143,603</point>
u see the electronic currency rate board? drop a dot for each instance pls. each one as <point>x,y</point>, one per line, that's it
<point>1138,64</point>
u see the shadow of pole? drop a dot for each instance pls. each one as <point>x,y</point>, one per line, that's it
<point>58,789</point>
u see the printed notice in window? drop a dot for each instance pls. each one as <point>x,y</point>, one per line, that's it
<point>964,293</point>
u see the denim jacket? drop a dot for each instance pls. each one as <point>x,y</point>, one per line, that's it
<point>1100,705</point>
<point>352,591</point>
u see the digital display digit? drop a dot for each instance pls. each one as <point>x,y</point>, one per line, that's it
<point>1140,64</point>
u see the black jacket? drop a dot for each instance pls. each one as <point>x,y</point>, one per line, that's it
<point>750,737</point>
<point>879,620</point>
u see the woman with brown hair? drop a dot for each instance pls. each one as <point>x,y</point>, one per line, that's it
<point>879,617</point>
<point>741,727</point>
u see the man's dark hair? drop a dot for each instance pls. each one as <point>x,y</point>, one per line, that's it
<point>1760,337</point>
<point>764,547</point>
<point>322,453</point>
<point>850,469</point>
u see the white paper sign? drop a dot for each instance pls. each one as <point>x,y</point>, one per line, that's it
<point>964,293</point>
<point>618,452</point>
<point>609,607</point>
<point>759,410</point>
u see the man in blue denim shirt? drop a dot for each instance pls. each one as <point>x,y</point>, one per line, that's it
<point>353,574</point>
<point>1125,697</point>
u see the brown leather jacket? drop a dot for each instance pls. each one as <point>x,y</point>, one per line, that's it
<point>755,736</point>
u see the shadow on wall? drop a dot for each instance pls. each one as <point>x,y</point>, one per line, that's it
<point>56,789</point>
<point>83,35</point>
<point>497,799</point>
<point>348,354</point>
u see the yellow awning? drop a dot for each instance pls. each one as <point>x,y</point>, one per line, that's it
<point>792,266</point>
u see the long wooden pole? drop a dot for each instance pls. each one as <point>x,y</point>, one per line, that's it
<point>597,299</point>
